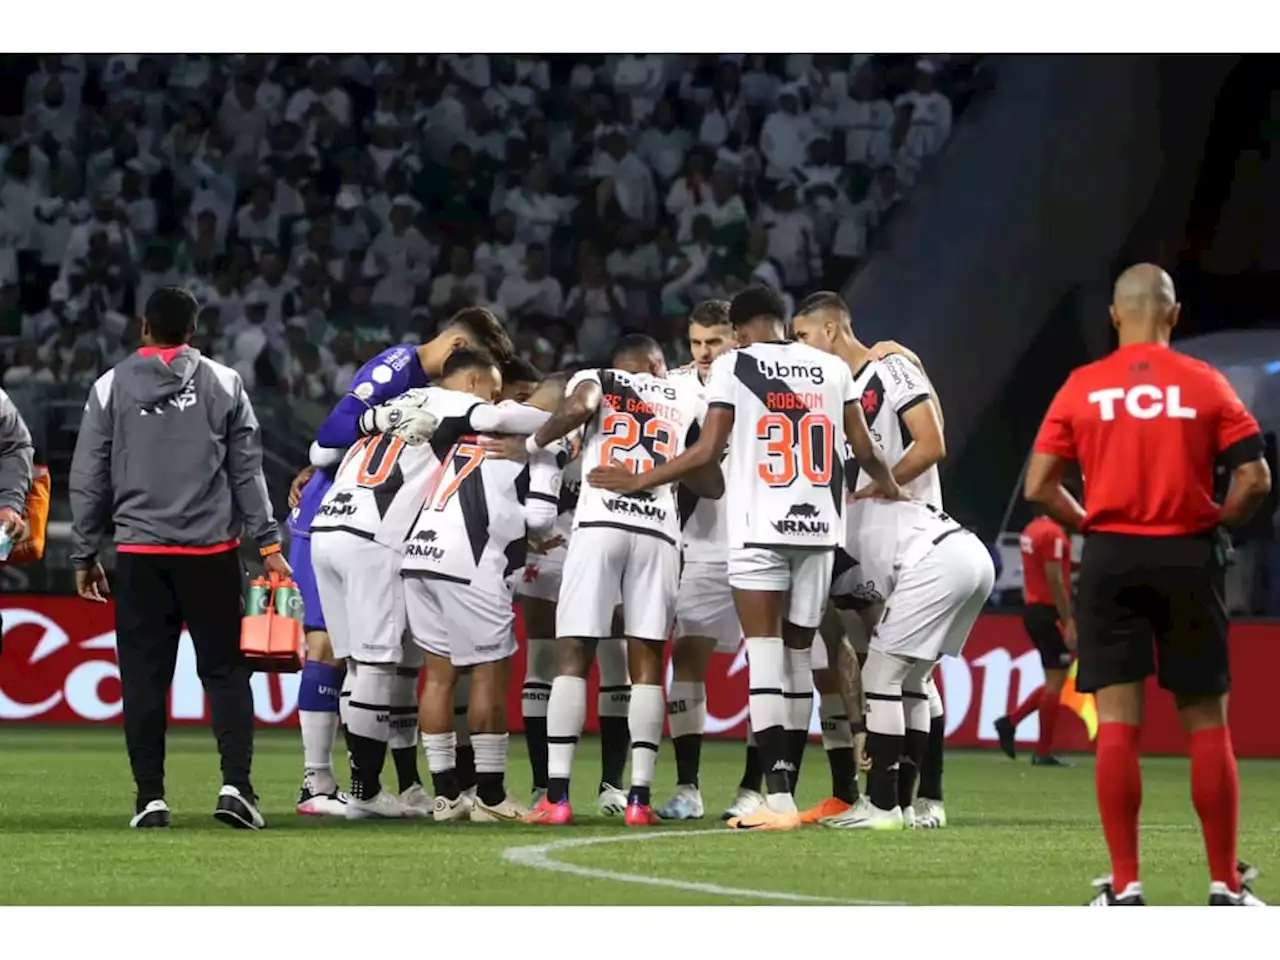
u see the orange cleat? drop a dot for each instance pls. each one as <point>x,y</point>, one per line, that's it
<point>830,807</point>
<point>550,814</point>
<point>766,819</point>
<point>641,815</point>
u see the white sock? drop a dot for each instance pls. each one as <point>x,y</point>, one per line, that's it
<point>798,684</point>
<point>645,722</point>
<point>369,707</point>
<point>441,750</point>
<point>540,670</point>
<point>344,697</point>
<point>837,734</point>
<point>319,729</point>
<point>882,677</point>
<point>686,709</point>
<point>491,752</point>
<point>404,709</point>
<point>614,698</point>
<point>770,715</point>
<point>936,707</point>
<point>566,716</point>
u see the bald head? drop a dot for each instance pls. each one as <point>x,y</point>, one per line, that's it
<point>1144,305</point>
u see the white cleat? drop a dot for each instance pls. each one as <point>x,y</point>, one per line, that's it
<point>320,797</point>
<point>505,812</point>
<point>930,814</point>
<point>385,806</point>
<point>612,802</point>
<point>418,801</point>
<point>445,809</point>
<point>745,803</point>
<point>865,815</point>
<point>685,804</point>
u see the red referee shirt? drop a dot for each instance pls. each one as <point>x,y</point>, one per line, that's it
<point>1146,425</point>
<point>1043,542</point>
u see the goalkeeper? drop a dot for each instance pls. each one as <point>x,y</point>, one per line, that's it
<point>390,374</point>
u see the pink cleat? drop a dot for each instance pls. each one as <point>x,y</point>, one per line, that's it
<point>550,814</point>
<point>641,815</point>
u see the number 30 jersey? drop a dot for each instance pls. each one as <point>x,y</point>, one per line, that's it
<point>642,421</point>
<point>784,473</point>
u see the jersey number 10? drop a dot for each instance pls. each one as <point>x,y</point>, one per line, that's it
<point>795,448</point>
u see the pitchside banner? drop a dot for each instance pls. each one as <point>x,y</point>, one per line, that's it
<point>59,667</point>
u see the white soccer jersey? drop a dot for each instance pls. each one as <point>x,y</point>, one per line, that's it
<point>887,389</point>
<point>785,465</point>
<point>892,536</point>
<point>642,421</point>
<point>704,522</point>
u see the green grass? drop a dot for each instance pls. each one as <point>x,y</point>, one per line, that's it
<point>1018,836</point>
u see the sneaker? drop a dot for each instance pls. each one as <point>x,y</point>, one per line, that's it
<point>236,810</point>
<point>154,814</point>
<point>312,803</point>
<point>909,818</point>
<point>1005,731</point>
<point>830,807</point>
<point>508,811</point>
<point>765,819</point>
<point>865,815</point>
<point>641,815</point>
<point>1221,896</point>
<point>385,806</point>
<point>685,804</point>
<point>550,814</point>
<point>536,797</point>
<point>1106,895</point>
<point>611,801</point>
<point>1049,760</point>
<point>417,801</point>
<point>745,802</point>
<point>443,809</point>
<point>930,814</point>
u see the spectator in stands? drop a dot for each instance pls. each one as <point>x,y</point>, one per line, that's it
<point>785,136</point>
<point>596,308</point>
<point>501,255</point>
<point>663,145</point>
<point>28,367</point>
<point>533,294</point>
<point>460,287</point>
<point>927,113</point>
<point>793,241</point>
<point>636,268</point>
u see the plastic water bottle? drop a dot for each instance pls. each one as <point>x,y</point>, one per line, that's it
<point>6,543</point>
<point>288,601</point>
<point>259,598</point>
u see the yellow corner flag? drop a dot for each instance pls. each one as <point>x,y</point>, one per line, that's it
<point>1081,704</point>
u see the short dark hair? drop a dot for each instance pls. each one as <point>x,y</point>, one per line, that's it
<point>822,300</point>
<point>637,345</point>
<point>520,370</point>
<point>710,313</point>
<point>485,331</point>
<point>171,316</point>
<point>754,301</point>
<point>467,358</point>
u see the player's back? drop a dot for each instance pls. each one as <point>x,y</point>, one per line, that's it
<point>897,534</point>
<point>784,468</point>
<point>887,389</point>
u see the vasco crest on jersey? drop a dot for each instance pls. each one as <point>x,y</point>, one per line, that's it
<point>802,518</point>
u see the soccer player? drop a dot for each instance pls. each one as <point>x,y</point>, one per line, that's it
<point>1046,615</point>
<point>625,548</point>
<point>389,374</point>
<point>903,417</point>
<point>785,411</point>
<point>1147,425</point>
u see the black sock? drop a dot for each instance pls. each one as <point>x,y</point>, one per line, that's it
<point>688,751</point>
<point>490,788</point>
<point>366,757</point>
<point>615,743</point>
<point>799,740</point>
<point>147,792</point>
<point>777,748</point>
<point>912,761</point>
<point>446,783</point>
<point>931,767</point>
<point>535,739</point>
<point>557,789</point>
<point>638,795</point>
<point>882,782</point>
<point>753,772</point>
<point>406,761</point>
<point>844,778</point>
<point>466,767</point>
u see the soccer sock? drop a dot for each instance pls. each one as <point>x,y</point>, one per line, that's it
<point>539,671</point>
<point>613,706</point>
<point>687,717</point>
<point>369,727</point>
<point>886,726</point>
<point>466,755</point>
<point>1048,720</point>
<point>566,715</point>
<point>1028,707</point>
<point>837,740</point>
<point>1215,791</point>
<point>931,769</point>
<point>404,727</point>
<point>1118,779</point>
<point>646,731</point>
<point>491,766</point>
<point>798,692</point>
<point>915,707</point>
<point>318,694</point>
<point>766,672</point>
<point>752,770</point>
<point>344,697</point>
<point>442,760</point>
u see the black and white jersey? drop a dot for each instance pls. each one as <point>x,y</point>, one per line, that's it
<point>704,522</point>
<point>887,389</point>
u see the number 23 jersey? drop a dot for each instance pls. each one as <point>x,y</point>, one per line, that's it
<point>643,421</point>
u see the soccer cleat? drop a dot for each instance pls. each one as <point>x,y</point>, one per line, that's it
<point>641,815</point>
<point>1220,896</point>
<point>930,814</point>
<point>766,819</point>
<point>385,806</point>
<point>830,807</point>
<point>154,814</point>
<point>550,814</point>
<point>1005,733</point>
<point>417,801</point>
<point>1107,897</point>
<point>744,803</point>
<point>611,801</point>
<point>865,815</point>
<point>236,810</point>
<point>685,804</point>
<point>1050,760</point>
<point>443,809</point>
<point>508,811</point>
<point>312,803</point>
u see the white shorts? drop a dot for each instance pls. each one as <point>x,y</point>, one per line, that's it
<point>704,605</point>
<point>541,575</point>
<point>935,603</point>
<point>359,586</point>
<point>805,574</point>
<point>465,624</point>
<point>604,567</point>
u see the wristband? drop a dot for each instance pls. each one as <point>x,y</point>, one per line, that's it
<point>269,550</point>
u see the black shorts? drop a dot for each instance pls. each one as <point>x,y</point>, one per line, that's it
<point>1041,621</point>
<point>1149,605</point>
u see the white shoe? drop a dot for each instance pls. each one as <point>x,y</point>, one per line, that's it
<point>445,809</point>
<point>506,811</point>
<point>536,798</point>
<point>385,806</point>
<point>154,814</point>
<point>745,803</point>
<point>612,802</point>
<point>1220,896</point>
<point>909,818</point>
<point>417,800</point>
<point>865,815</point>
<point>320,797</point>
<point>930,814</point>
<point>236,810</point>
<point>685,804</point>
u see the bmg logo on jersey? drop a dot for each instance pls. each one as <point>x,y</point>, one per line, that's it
<point>791,371</point>
<point>800,520</point>
<point>420,545</point>
<point>339,505</point>
<point>1143,402</point>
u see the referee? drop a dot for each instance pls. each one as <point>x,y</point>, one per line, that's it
<point>169,452</point>
<point>1147,426</point>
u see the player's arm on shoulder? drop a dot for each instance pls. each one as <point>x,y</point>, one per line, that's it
<point>515,418</point>
<point>706,481</point>
<point>375,383</point>
<point>542,503</point>
<point>915,403</point>
<point>1242,450</point>
<point>865,450</point>
<point>1054,449</point>
<point>580,403</point>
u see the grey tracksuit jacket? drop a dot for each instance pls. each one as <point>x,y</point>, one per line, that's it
<point>15,456</point>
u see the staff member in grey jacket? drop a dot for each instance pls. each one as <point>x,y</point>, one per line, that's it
<point>15,474</point>
<point>170,452</point>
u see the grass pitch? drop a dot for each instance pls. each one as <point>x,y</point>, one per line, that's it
<point>1018,835</point>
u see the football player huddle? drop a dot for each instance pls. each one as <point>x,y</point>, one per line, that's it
<point>779,493</point>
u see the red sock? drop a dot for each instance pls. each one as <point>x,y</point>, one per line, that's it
<point>1215,791</point>
<point>1048,719</point>
<point>1119,784</point>
<point>1027,707</point>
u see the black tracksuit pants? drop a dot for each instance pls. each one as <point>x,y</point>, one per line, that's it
<point>155,595</point>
